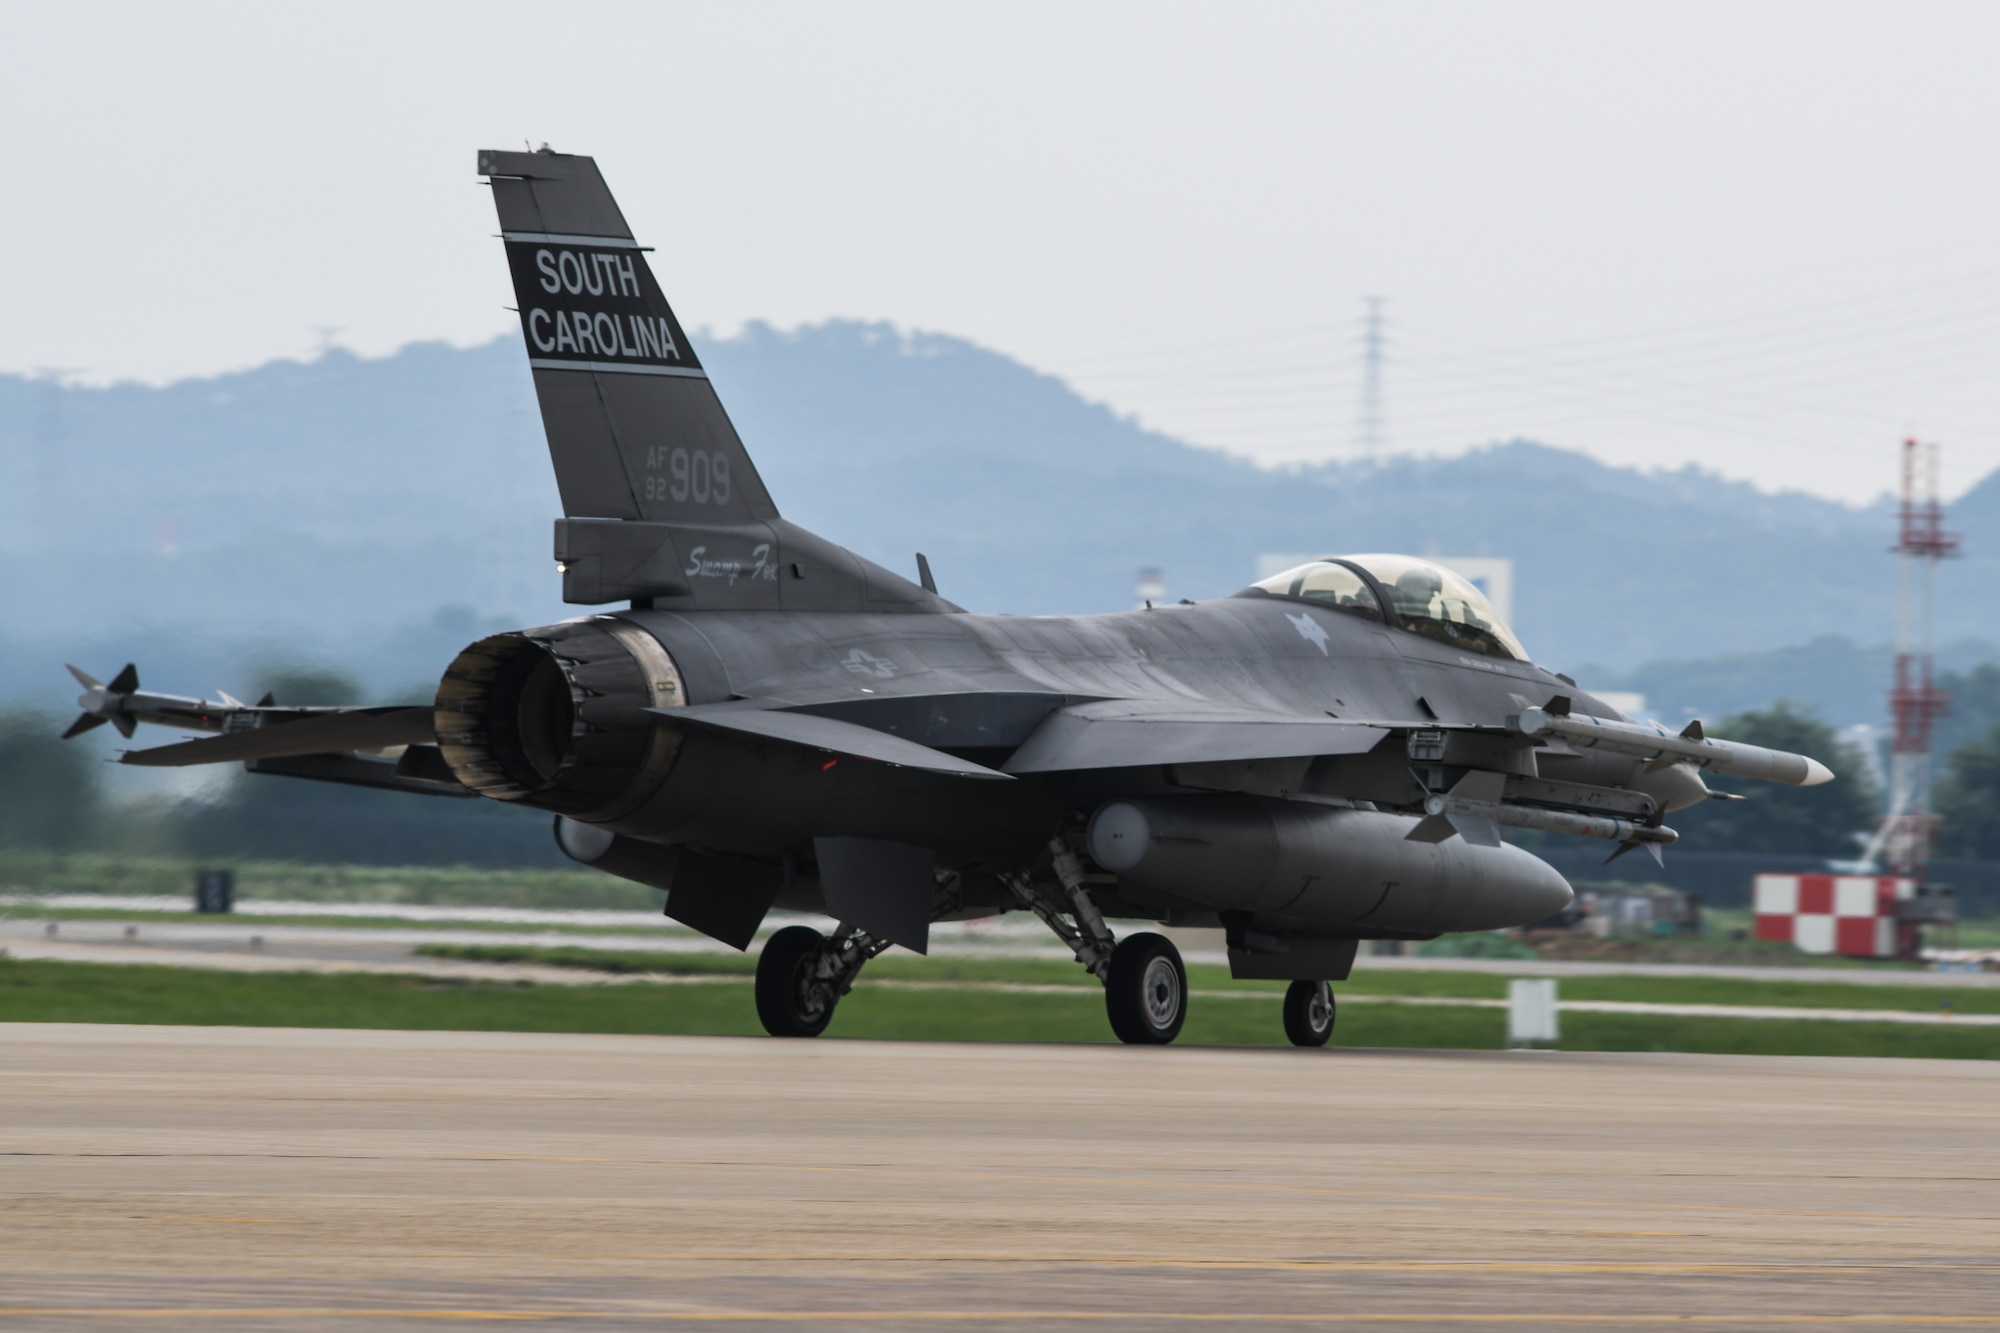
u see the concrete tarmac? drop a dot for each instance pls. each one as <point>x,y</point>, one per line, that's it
<point>164,1177</point>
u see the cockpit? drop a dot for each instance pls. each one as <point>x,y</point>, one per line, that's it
<point>1404,592</point>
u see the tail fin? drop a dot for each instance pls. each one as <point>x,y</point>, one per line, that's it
<point>664,505</point>
<point>635,429</point>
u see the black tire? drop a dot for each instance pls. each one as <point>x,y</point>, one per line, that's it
<point>1145,990</point>
<point>1309,1013</point>
<point>788,1004</point>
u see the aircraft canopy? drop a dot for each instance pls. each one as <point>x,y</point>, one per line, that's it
<point>1427,599</point>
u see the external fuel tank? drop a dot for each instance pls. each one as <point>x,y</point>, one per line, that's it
<point>1330,865</point>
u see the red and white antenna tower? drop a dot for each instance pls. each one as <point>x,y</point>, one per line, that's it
<point>1903,843</point>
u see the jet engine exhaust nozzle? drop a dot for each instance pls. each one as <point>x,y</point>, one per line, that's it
<point>556,717</point>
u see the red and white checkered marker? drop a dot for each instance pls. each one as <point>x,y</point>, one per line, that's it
<point>1854,915</point>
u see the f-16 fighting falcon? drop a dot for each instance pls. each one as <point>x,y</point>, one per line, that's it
<point>752,717</point>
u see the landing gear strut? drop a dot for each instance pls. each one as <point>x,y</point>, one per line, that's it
<point>1145,983</point>
<point>802,974</point>
<point>1309,1013</point>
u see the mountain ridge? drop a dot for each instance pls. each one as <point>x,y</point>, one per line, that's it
<point>309,507</point>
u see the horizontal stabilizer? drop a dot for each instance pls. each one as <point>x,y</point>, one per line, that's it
<point>1133,734</point>
<point>326,733</point>
<point>826,733</point>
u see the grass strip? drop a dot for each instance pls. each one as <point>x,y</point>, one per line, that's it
<point>1806,993</point>
<point>252,921</point>
<point>51,992</point>
<point>29,870</point>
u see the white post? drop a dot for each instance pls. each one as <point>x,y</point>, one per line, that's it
<point>1531,1011</point>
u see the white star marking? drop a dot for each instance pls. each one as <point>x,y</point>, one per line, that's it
<point>1310,630</point>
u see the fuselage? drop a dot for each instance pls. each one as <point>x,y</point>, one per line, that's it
<point>978,685</point>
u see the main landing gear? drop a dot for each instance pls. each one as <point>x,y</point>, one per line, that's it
<point>1309,1013</point>
<point>1145,983</point>
<point>802,974</point>
<point>1145,990</point>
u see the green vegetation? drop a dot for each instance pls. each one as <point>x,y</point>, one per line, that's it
<point>251,922</point>
<point>91,993</point>
<point>29,870</point>
<point>1475,944</point>
<point>49,787</point>
<point>1806,993</point>
<point>1819,820</point>
<point>1968,798</point>
<point>615,962</point>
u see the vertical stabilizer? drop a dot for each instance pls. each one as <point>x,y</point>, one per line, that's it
<point>635,429</point>
<point>663,504</point>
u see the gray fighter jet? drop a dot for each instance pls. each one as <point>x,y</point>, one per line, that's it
<point>766,720</point>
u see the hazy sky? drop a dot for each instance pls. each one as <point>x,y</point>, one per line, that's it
<point>1756,237</point>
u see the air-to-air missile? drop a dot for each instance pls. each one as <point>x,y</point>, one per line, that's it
<point>752,718</point>
<point>1660,746</point>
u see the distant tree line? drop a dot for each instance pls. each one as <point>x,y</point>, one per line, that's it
<point>50,797</point>
<point>1832,820</point>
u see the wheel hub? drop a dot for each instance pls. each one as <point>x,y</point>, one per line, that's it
<point>1162,991</point>
<point>1320,1012</point>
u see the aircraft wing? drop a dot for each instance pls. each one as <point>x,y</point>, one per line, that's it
<point>330,732</point>
<point>827,733</point>
<point>1134,733</point>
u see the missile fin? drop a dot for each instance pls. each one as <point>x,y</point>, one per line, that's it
<point>84,722</point>
<point>1479,832</point>
<point>1481,785</point>
<point>1432,828</point>
<point>125,681</point>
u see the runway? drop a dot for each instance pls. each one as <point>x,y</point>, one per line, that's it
<point>288,1179</point>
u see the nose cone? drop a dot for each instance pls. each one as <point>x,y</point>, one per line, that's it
<point>1816,773</point>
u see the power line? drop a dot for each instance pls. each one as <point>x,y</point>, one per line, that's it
<point>1368,431</point>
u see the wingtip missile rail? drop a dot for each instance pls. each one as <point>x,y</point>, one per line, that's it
<point>280,732</point>
<point>124,705</point>
<point>1663,747</point>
